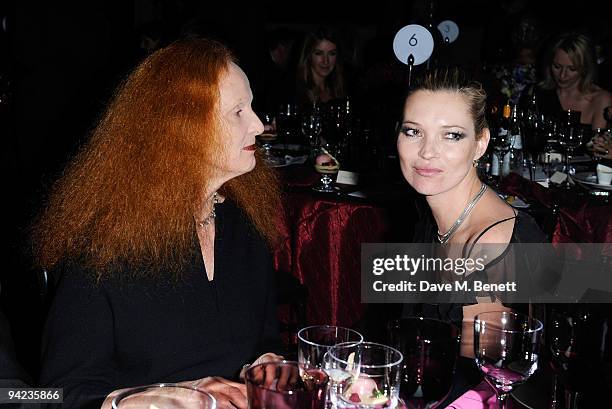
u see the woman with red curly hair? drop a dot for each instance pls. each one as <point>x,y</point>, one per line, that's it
<point>160,228</point>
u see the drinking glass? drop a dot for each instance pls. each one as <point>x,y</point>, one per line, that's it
<point>364,376</point>
<point>266,138</point>
<point>506,347</point>
<point>328,165</point>
<point>286,385</point>
<point>576,337</point>
<point>164,396</point>
<point>501,147</point>
<point>315,341</point>
<point>597,132</point>
<point>430,348</point>
<point>569,140</point>
<point>311,128</point>
<point>288,121</point>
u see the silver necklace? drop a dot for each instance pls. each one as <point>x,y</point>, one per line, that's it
<point>211,216</point>
<point>443,238</point>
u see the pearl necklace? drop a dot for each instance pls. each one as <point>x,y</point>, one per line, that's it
<point>443,238</point>
<point>211,216</point>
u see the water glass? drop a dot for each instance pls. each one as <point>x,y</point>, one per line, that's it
<point>164,396</point>
<point>315,341</point>
<point>364,376</point>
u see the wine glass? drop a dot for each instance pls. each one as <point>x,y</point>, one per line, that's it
<point>328,165</point>
<point>287,121</point>
<point>506,347</point>
<point>164,396</point>
<point>430,348</point>
<point>364,376</point>
<point>266,138</point>
<point>500,156</point>
<point>286,385</point>
<point>311,128</point>
<point>576,337</point>
<point>597,132</point>
<point>550,146</point>
<point>570,139</point>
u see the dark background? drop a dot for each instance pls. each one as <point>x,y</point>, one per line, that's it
<point>61,61</point>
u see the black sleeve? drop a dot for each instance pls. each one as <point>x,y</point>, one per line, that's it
<point>11,373</point>
<point>271,337</point>
<point>77,343</point>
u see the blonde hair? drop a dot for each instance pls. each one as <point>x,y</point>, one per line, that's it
<point>581,52</point>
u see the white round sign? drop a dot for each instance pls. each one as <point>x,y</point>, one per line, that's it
<point>449,30</point>
<point>413,39</point>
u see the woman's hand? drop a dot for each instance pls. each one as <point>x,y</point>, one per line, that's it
<point>267,357</point>
<point>229,395</point>
<point>602,145</point>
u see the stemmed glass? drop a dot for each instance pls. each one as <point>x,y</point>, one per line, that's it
<point>506,346</point>
<point>576,337</point>
<point>550,141</point>
<point>430,348</point>
<point>501,146</point>
<point>311,128</point>
<point>163,396</point>
<point>597,132</point>
<point>266,138</point>
<point>569,140</point>
<point>327,164</point>
<point>364,376</point>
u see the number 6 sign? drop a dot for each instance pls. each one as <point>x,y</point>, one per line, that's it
<point>413,39</point>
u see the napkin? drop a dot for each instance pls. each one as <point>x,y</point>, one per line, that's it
<point>604,174</point>
<point>481,397</point>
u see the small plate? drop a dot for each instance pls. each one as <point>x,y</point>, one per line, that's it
<point>589,180</point>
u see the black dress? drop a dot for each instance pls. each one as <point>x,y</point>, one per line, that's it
<point>525,230</point>
<point>127,332</point>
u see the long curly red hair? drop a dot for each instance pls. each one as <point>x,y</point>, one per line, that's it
<point>129,195</point>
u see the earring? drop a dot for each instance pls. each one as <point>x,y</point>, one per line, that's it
<point>475,163</point>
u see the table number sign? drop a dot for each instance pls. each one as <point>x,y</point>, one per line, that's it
<point>347,178</point>
<point>414,40</point>
<point>449,30</point>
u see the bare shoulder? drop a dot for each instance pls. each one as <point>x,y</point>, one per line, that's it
<point>602,98</point>
<point>499,233</point>
<point>496,221</point>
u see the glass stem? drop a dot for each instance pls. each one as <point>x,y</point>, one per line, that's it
<point>571,399</point>
<point>502,400</point>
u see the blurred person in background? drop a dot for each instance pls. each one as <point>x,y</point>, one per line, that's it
<point>320,71</point>
<point>570,81</point>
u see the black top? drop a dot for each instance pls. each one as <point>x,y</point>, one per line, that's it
<point>11,373</point>
<point>124,332</point>
<point>525,230</point>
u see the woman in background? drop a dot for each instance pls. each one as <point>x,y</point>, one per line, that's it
<point>320,72</point>
<point>570,81</point>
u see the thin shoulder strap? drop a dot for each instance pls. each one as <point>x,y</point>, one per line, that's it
<point>486,230</point>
